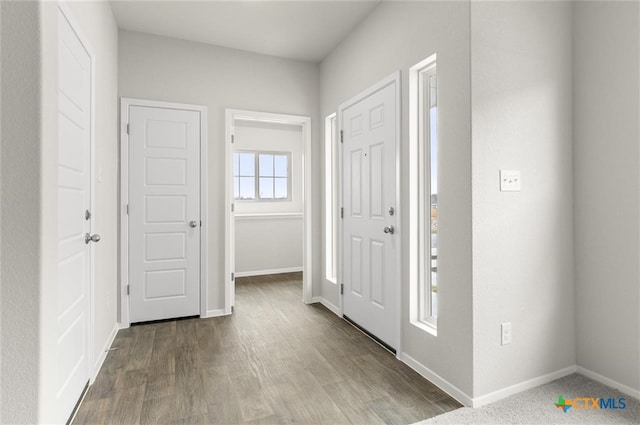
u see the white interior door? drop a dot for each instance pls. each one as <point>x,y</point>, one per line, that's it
<point>164,213</point>
<point>74,200</point>
<point>371,289</point>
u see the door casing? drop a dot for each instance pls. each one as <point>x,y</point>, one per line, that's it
<point>125,103</point>
<point>393,78</point>
<point>305,122</point>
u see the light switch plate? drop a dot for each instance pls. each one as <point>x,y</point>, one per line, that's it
<point>510,180</point>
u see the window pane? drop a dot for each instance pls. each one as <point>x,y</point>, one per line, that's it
<point>247,188</point>
<point>247,164</point>
<point>433,183</point>
<point>281,165</point>
<point>266,166</point>
<point>236,187</point>
<point>281,188</point>
<point>236,164</point>
<point>266,187</point>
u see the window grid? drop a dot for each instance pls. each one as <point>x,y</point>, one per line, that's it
<point>268,172</point>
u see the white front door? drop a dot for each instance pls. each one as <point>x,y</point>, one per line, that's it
<point>370,241</point>
<point>164,213</point>
<point>74,203</point>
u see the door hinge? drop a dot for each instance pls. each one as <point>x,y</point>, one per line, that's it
<point>341,288</point>
<point>127,208</point>
<point>341,136</point>
<point>233,276</point>
<point>233,138</point>
<point>233,207</point>
<point>128,129</point>
<point>341,212</point>
<point>127,289</point>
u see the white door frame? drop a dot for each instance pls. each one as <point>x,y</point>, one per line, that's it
<point>394,78</point>
<point>125,103</point>
<point>93,361</point>
<point>305,122</point>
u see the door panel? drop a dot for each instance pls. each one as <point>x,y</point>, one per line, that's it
<point>164,197</point>
<point>369,190</point>
<point>74,198</point>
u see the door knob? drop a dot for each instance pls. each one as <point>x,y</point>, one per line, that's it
<point>389,229</point>
<point>193,223</point>
<point>91,238</point>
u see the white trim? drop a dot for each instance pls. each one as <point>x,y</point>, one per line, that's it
<point>64,8</point>
<point>420,294</point>
<point>269,271</point>
<point>635,393</point>
<point>269,216</point>
<point>103,353</point>
<point>214,313</point>
<point>232,115</point>
<point>125,103</point>
<point>331,307</point>
<point>393,78</point>
<point>436,379</point>
<point>523,386</point>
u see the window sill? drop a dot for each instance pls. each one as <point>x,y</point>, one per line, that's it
<point>426,327</point>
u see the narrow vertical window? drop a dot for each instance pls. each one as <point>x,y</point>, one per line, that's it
<point>424,212</point>
<point>330,197</point>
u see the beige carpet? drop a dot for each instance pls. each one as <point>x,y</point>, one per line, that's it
<point>537,406</point>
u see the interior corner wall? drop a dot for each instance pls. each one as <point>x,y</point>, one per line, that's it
<point>168,69</point>
<point>396,36</point>
<point>98,25</point>
<point>521,79</point>
<point>607,189</point>
<point>21,214</point>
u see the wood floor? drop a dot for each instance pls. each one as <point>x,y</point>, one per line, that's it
<point>274,361</point>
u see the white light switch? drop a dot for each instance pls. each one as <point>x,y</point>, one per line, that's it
<point>510,180</point>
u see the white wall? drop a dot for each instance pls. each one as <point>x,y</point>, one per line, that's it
<point>29,199</point>
<point>521,61</point>
<point>607,189</point>
<point>395,36</point>
<point>21,214</point>
<point>159,68</point>
<point>269,234</point>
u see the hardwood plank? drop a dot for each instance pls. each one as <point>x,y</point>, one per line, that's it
<point>276,360</point>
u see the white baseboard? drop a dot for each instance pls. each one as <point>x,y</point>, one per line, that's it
<point>335,310</point>
<point>609,382</point>
<point>522,386</point>
<point>103,353</point>
<point>436,379</point>
<point>214,313</point>
<point>271,271</point>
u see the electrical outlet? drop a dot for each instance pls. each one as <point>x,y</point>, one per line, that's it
<point>510,180</point>
<point>505,329</point>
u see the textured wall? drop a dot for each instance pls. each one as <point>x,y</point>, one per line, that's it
<point>607,189</point>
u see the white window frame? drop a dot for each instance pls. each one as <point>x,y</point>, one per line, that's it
<point>331,197</point>
<point>420,199</point>
<point>257,176</point>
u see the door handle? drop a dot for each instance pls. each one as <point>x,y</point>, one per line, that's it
<point>389,229</point>
<point>91,238</point>
<point>193,223</point>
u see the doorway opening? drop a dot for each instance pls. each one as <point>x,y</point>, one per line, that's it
<point>267,181</point>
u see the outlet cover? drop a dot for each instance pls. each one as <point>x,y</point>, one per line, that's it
<point>510,180</point>
<point>505,329</point>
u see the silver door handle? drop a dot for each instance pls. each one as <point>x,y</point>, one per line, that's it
<point>193,223</point>
<point>91,238</point>
<point>389,229</point>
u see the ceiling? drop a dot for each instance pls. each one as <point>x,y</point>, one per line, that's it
<point>303,30</point>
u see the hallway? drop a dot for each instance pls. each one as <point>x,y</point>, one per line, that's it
<point>275,360</point>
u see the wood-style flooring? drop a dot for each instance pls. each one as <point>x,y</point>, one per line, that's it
<point>274,361</point>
